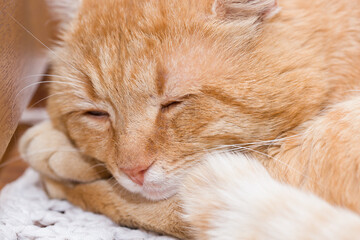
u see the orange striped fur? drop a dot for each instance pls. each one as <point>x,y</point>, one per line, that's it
<point>157,84</point>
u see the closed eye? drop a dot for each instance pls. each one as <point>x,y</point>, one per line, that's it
<point>97,114</point>
<point>171,104</point>
<point>167,106</point>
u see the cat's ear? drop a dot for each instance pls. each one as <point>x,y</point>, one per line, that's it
<point>244,9</point>
<point>63,11</point>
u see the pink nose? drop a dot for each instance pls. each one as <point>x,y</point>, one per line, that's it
<point>136,174</point>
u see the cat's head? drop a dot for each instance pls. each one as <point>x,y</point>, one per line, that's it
<point>148,87</point>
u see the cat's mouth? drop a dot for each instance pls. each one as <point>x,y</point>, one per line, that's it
<point>155,187</point>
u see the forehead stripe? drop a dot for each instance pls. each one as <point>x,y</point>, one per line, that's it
<point>160,81</point>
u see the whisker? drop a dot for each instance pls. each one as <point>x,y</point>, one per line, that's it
<point>283,163</point>
<point>55,76</point>
<point>47,97</point>
<point>39,41</point>
<point>94,166</point>
<point>102,171</point>
<point>115,183</point>
<point>262,143</point>
<point>99,172</point>
<point>269,142</point>
<point>259,144</point>
<point>42,82</point>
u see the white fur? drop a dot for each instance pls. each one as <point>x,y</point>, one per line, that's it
<point>238,199</point>
<point>157,184</point>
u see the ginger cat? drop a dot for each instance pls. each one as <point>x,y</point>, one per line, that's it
<point>147,88</point>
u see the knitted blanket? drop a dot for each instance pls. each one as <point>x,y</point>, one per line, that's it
<point>27,213</point>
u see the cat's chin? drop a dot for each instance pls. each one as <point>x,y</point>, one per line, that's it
<point>157,195</point>
<point>154,192</point>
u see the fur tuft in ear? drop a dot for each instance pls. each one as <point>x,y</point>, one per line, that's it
<point>243,9</point>
<point>64,10</point>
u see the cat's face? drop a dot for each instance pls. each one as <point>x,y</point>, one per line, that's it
<point>148,87</point>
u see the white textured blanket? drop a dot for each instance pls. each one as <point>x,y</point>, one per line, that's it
<point>27,213</point>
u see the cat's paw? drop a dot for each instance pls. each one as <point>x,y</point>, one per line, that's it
<point>219,168</point>
<point>50,152</point>
<point>54,189</point>
<point>211,188</point>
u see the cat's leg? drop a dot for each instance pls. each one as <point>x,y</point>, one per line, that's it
<point>324,156</point>
<point>232,196</point>
<point>50,152</point>
<point>127,209</point>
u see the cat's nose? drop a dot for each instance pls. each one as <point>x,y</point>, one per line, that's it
<point>136,174</point>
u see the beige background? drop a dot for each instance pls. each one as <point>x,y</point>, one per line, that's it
<point>21,57</point>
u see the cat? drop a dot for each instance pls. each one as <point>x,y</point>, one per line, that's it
<point>149,87</point>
